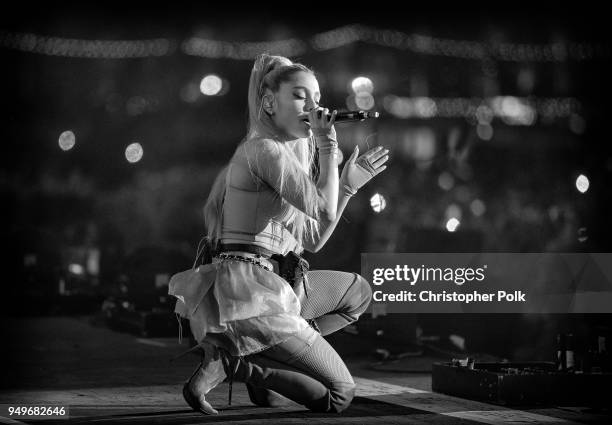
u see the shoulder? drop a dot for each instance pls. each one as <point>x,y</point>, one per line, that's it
<point>262,148</point>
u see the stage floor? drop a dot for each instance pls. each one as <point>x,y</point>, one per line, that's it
<point>104,376</point>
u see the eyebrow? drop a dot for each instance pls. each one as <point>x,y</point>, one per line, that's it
<point>305,88</point>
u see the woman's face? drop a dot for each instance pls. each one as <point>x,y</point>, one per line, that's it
<point>292,102</point>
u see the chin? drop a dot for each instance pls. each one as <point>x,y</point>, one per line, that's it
<point>300,134</point>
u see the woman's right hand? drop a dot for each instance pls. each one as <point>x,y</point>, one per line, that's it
<point>358,171</point>
<point>320,124</point>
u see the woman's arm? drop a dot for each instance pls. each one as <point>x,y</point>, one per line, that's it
<point>356,173</point>
<point>327,226</point>
<point>328,178</point>
<point>267,161</point>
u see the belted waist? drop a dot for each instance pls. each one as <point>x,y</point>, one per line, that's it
<point>245,257</point>
<point>253,249</point>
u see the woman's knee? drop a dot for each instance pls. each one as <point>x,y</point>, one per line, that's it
<point>361,295</point>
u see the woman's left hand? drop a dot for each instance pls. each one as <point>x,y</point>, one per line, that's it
<point>359,171</point>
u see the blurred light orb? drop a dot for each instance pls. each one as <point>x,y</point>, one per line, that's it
<point>425,107</point>
<point>76,269</point>
<point>582,183</point>
<point>398,106</point>
<point>190,93</point>
<point>350,102</point>
<point>364,101</point>
<point>134,152</point>
<point>484,131</point>
<point>484,114</point>
<point>67,140</point>
<point>446,181</point>
<point>453,211</point>
<point>211,85</point>
<point>477,207</point>
<point>362,84</point>
<point>452,224</point>
<point>378,202</point>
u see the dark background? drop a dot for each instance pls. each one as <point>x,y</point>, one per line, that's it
<point>145,218</point>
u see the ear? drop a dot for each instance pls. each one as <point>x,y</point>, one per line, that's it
<point>268,103</point>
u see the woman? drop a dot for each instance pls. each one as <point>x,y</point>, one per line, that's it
<point>267,202</point>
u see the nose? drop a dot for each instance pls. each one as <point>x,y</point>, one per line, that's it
<point>310,105</point>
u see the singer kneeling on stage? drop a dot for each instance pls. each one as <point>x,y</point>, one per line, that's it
<point>257,312</point>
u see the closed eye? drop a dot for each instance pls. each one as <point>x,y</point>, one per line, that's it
<point>303,98</point>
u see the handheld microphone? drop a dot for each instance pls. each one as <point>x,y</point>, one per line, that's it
<point>353,116</point>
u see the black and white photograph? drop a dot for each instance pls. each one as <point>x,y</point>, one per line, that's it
<point>306,212</point>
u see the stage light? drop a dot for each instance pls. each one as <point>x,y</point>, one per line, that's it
<point>484,131</point>
<point>76,269</point>
<point>134,152</point>
<point>514,111</point>
<point>398,106</point>
<point>446,181</point>
<point>425,107</point>
<point>211,85</point>
<point>484,114</point>
<point>582,183</point>
<point>378,202</point>
<point>477,207</point>
<point>362,84</point>
<point>452,224</point>
<point>350,102</point>
<point>364,101</point>
<point>67,140</point>
<point>453,211</point>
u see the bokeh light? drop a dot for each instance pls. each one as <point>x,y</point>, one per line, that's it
<point>453,211</point>
<point>582,183</point>
<point>484,131</point>
<point>477,207</point>
<point>446,180</point>
<point>134,152</point>
<point>378,202</point>
<point>362,85</point>
<point>364,101</point>
<point>67,140</point>
<point>452,224</point>
<point>211,85</point>
<point>76,269</point>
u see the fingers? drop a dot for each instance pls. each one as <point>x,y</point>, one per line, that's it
<point>322,116</point>
<point>380,170</point>
<point>353,156</point>
<point>380,161</point>
<point>332,120</point>
<point>375,153</point>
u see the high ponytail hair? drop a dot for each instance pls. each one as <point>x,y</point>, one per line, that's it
<point>269,72</point>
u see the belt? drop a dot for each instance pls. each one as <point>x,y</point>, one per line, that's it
<point>253,249</point>
<point>245,257</point>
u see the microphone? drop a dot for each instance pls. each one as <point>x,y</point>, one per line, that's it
<point>353,116</point>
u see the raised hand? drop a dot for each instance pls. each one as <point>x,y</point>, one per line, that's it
<point>358,171</point>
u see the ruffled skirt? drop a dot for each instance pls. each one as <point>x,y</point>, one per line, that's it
<point>253,308</point>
